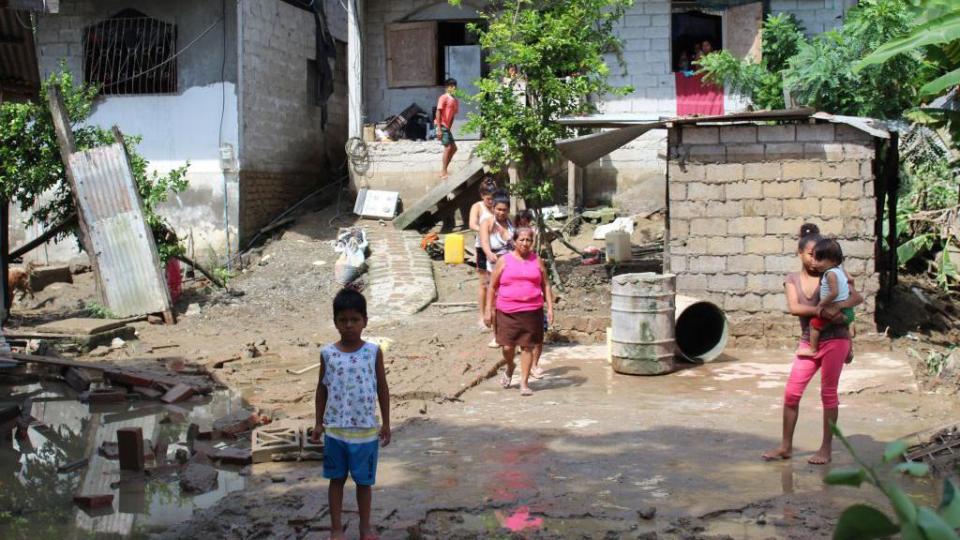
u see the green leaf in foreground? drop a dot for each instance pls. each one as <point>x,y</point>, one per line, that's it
<point>849,476</point>
<point>933,526</point>
<point>913,468</point>
<point>893,451</point>
<point>862,522</point>
<point>902,504</point>
<point>950,504</point>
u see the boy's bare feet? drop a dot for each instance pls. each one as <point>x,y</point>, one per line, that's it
<point>443,175</point>
<point>536,373</point>
<point>777,453</point>
<point>822,457</point>
<point>527,391</point>
<point>806,352</point>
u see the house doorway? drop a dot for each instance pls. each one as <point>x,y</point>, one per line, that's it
<point>694,33</point>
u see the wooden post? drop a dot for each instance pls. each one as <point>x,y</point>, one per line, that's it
<point>4,261</point>
<point>573,172</point>
<point>354,69</point>
<point>516,204</point>
<point>68,145</point>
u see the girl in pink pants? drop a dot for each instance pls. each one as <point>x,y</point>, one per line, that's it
<point>803,296</point>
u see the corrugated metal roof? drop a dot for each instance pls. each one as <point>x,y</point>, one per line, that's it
<point>122,242</point>
<point>624,128</point>
<point>18,57</point>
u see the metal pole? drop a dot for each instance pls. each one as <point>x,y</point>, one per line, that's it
<point>354,69</point>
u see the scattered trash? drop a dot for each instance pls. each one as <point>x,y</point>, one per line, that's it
<point>352,245</point>
<point>554,212</point>
<point>624,224</point>
<point>647,513</point>
<point>117,343</point>
<point>277,478</point>
<point>591,255</point>
<point>192,310</point>
<point>319,263</point>
<point>100,352</point>
<point>600,215</point>
<point>179,392</point>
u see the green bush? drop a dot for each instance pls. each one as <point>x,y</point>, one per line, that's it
<point>31,168</point>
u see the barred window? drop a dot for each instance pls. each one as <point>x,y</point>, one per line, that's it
<point>131,53</point>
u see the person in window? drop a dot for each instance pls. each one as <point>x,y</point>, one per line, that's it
<point>705,48</point>
<point>684,62</point>
<point>447,107</point>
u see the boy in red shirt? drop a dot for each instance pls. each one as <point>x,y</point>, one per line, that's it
<point>447,107</point>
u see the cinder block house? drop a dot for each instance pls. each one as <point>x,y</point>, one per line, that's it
<point>410,46</point>
<point>252,94</point>
<point>738,189</point>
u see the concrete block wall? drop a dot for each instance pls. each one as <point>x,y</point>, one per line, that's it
<point>738,195</point>
<point>284,151</point>
<point>817,16</point>
<point>409,167</point>
<point>645,31</point>
<point>631,177</point>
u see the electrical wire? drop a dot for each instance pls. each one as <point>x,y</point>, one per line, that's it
<point>223,71</point>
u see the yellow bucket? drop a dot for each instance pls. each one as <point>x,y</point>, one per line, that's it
<point>453,249</point>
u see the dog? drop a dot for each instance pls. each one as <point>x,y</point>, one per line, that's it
<point>19,280</point>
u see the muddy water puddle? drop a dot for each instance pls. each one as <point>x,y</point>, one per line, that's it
<point>36,495</point>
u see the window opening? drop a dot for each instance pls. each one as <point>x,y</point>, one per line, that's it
<point>692,32</point>
<point>131,53</point>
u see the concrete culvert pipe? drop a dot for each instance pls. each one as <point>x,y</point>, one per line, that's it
<point>701,329</point>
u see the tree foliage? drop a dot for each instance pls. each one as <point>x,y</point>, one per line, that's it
<point>761,82</point>
<point>820,72</point>
<point>560,50</point>
<point>31,168</point>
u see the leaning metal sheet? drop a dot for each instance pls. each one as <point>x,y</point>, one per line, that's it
<point>131,279</point>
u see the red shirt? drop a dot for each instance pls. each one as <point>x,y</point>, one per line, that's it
<point>447,107</point>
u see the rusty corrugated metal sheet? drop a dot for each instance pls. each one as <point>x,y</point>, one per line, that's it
<point>18,57</point>
<point>123,244</point>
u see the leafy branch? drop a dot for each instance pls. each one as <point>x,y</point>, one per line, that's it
<point>913,522</point>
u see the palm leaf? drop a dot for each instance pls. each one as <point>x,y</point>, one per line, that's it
<point>941,83</point>
<point>943,29</point>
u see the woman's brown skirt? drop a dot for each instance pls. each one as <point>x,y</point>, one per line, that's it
<point>521,329</point>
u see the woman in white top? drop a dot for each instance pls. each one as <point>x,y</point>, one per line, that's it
<point>496,235</point>
<point>480,212</point>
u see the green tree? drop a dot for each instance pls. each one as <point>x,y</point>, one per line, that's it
<point>31,168</point>
<point>820,72</point>
<point>559,49</point>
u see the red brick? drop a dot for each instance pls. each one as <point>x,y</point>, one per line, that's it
<point>130,445</point>
<point>93,501</point>
<point>179,392</point>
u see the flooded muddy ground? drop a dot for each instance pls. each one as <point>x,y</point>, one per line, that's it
<point>37,499</point>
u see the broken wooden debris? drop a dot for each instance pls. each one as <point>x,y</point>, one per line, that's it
<point>311,367</point>
<point>147,392</point>
<point>469,173</point>
<point>79,325</point>
<point>77,379</point>
<point>93,502</point>
<point>131,448</point>
<point>72,466</point>
<point>99,396</point>
<point>206,273</point>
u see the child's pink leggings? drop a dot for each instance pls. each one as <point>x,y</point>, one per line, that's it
<point>829,359</point>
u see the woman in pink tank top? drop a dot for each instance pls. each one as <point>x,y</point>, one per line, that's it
<point>519,290</point>
<point>803,297</point>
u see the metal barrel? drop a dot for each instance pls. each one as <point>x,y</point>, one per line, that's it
<point>701,329</point>
<point>642,323</point>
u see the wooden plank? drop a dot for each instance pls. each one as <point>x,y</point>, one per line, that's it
<point>68,145</point>
<point>79,325</point>
<point>471,172</point>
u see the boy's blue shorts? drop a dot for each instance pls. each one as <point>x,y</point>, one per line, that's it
<point>359,459</point>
